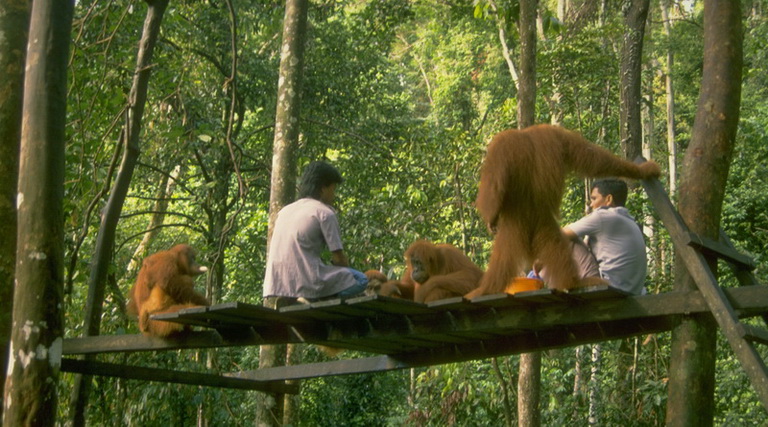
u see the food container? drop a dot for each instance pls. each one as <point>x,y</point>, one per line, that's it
<point>522,284</point>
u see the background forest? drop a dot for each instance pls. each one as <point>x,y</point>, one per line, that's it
<point>402,96</point>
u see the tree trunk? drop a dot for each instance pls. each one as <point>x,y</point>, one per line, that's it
<point>105,239</point>
<point>649,222</point>
<point>283,187</point>
<point>164,193</point>
<point>14,28</point>
<point>529,390</point>
<point>578,379</point>
<point>38,321</point>
<point>505,50</point>
<point>630,112</point>
<point>671,145</point>
<point>702,190</point>
<point>529,380</point>
<point>636,13</point>
<point>508,420</point>
<point>526,95</point>
<point>595,384</point>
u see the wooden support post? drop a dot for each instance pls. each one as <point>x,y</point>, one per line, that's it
<point>718,303</point>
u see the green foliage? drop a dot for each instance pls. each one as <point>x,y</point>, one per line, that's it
<point>402,96</point>
<point>457,394</point>
<point>354,398</point>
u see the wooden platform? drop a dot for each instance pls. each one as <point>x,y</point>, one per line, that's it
<point>412,334</point>
<point>408,334</point>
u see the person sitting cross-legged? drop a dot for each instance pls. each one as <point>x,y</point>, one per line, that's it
<point>302,231</point>
<point>614,237</point>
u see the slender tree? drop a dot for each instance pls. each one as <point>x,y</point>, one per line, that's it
<point>630,113</point>
<point>702,190</point>
<point>670,101</point>
<point>14,26</point>
<point>105,240</point>
<point>283,188</point>
<point>506,51</point>
<point>635,15</point>
<point>38,323</point>
<point>164,192</point>
<point>529,379</point>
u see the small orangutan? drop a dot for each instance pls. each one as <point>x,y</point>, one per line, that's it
<point>165,284</point>
<point>434,272</point>
<point>522,181</point>
<point>379,284</point>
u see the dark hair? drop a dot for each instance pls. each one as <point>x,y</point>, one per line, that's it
<point>615,187</point>
<point>316,176</point>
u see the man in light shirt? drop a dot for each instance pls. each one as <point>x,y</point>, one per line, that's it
<point>303,230</point>
<point>614,237</point>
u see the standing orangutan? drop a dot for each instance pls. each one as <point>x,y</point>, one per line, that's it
<point>521,186</point>
<point>434,272</point>
<point>165,284</point>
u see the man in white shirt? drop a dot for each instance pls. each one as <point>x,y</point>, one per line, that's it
<point>302,231</point>
<point>615,238</point>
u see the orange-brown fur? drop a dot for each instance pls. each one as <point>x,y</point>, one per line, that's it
<point>521,186</point>
<point>165,284</point>
<point>379,284</point>
<point>436,272</point>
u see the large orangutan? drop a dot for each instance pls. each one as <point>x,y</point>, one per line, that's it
<point>434,272</point>
<point>521,186</point>
<point>166,284</point>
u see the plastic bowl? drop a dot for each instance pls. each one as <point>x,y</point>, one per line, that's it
<point>522,284</point>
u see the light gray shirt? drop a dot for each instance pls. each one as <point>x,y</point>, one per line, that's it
<point>617,242</point>
<point>295,269</point>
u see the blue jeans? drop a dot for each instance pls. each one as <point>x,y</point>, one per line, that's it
<point>358,288</point>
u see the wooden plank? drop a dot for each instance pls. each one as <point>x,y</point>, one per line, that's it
<point>388,305</point>
<point>747,301</point>
<point>132,343</point>
<point>324,369</point>
<point>721,309</point>
<point>539,340</point>
<point>177,377</point>
<point>454,303</point>
<point>447,330</point>
<point>500,321</point>
<point>355,334</point>
<point>343,308</point>
<point>754,333</point>
<point>438,329</point>
<point>525,298</point>
<point>233,313</point>
<point>745,277</point>
<point>314,311</point>
<point>541,296</point>
<point>194,317</point>
<point>389,333</point>
<point>254,313</point>
<point>498,346</point>
<point>723,251</point>
<point>602,292</point>
<point>497,300</point>
<point>349,335</point>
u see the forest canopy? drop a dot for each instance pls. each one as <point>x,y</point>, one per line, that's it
<point>402,96</point>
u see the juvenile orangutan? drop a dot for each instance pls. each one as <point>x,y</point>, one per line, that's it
<point>165,284</point>
<point>434,272</point>
<point>521,186</point>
